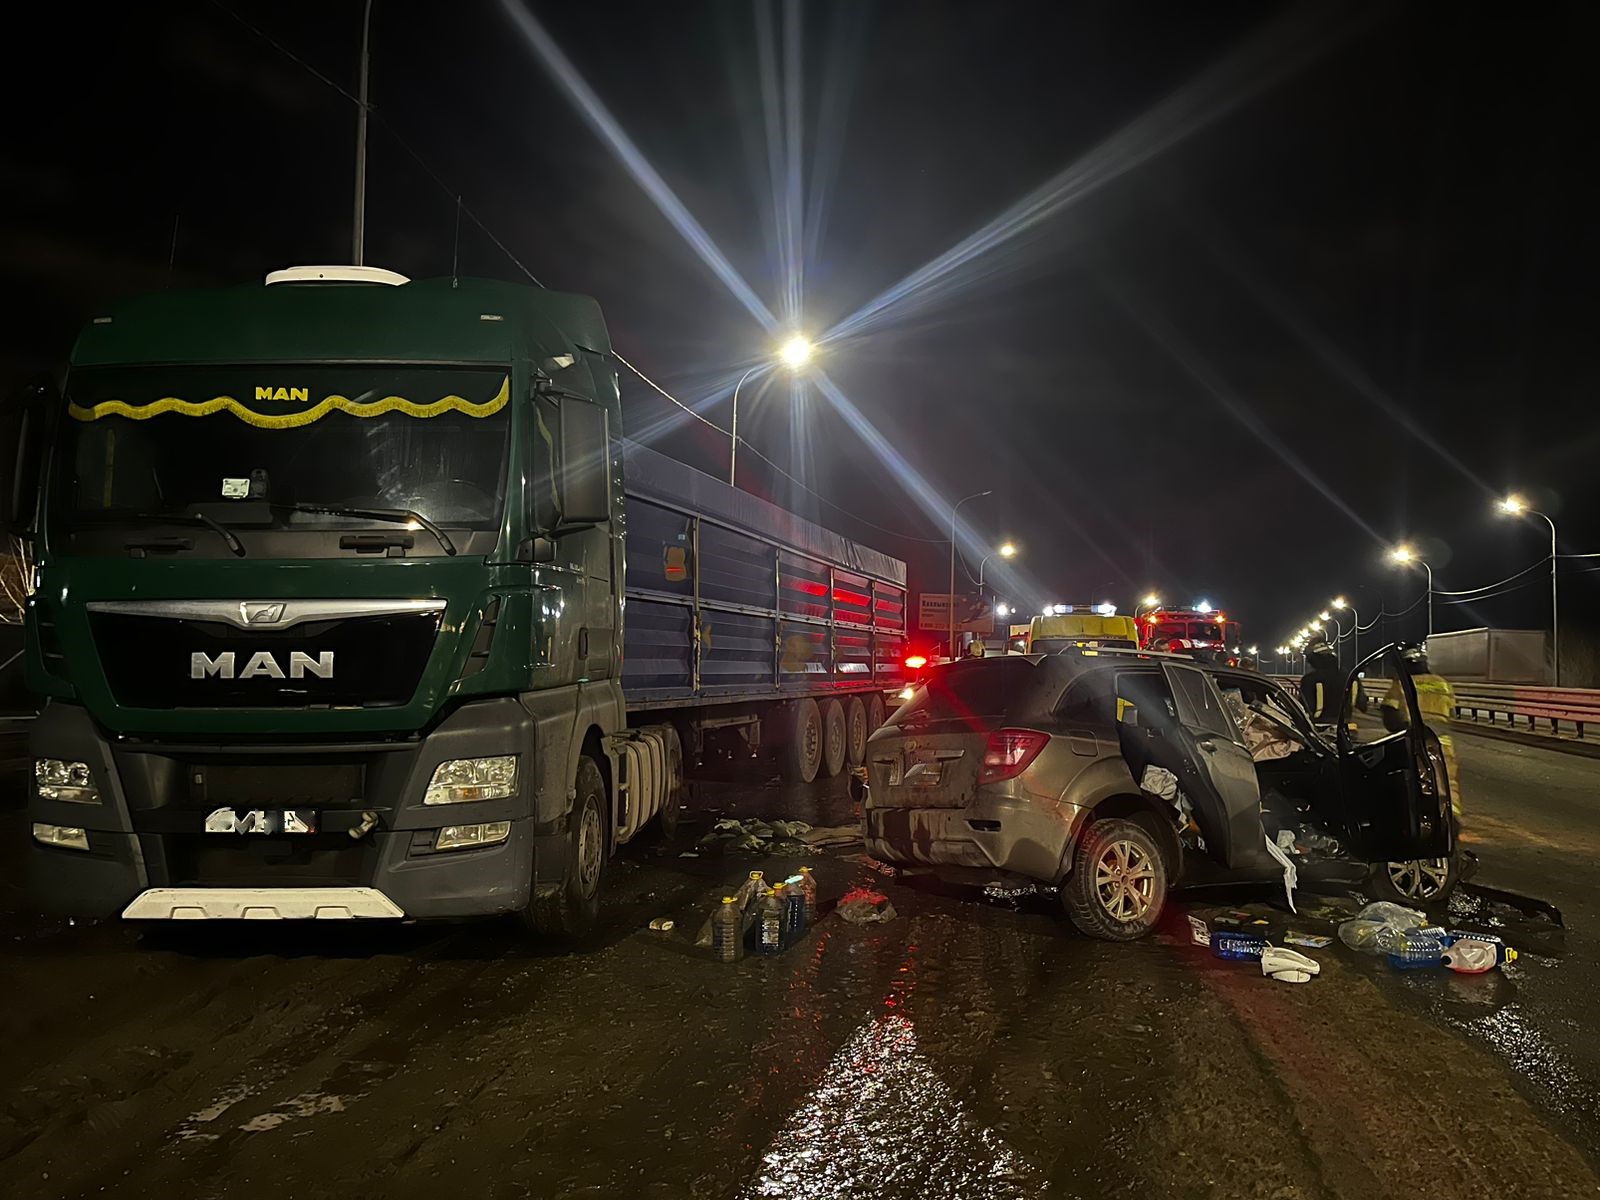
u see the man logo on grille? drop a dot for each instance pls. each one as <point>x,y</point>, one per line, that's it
<point>261,612</point>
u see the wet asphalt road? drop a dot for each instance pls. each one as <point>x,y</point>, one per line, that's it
<point>968,1048</point>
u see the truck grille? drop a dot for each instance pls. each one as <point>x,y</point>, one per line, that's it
<point>191,662</point>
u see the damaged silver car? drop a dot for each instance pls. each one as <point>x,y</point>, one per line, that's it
<point>1120,775</point>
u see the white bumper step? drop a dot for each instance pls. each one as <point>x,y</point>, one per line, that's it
<point>261,904</point>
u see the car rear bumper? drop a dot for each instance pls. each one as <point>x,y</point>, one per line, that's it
<point>1018,834</point>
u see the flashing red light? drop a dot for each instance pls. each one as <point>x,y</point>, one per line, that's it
<point>1009,752</point>
<point>1174,646</point>
<point>915,662</point>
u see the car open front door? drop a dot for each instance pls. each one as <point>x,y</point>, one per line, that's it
<point>1216,772</point>
<point>1396,794</point>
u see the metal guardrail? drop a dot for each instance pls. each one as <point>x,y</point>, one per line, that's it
<point>1569,711</point>
<point>1517,702</point>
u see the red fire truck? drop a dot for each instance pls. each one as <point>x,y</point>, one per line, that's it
<point>1203,632</point>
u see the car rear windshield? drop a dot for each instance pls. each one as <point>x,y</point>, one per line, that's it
<point>980,693</point>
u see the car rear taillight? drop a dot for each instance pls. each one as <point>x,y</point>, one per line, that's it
<point>1009,752</point>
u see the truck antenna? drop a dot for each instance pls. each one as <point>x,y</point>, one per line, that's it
<point>363,110</point>
<point>455,249</point>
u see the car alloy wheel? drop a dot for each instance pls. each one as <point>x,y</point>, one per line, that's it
<point>1423,879</point>
<point>1125,881</point>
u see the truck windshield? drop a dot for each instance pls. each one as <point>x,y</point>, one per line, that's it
<point>141,442</point>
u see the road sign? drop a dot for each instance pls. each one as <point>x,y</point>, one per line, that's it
<point>974,614</point>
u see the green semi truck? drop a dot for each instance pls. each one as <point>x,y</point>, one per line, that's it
<point>351,600</point>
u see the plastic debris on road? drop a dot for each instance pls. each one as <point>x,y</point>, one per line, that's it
<point>1288,966</point>
<point>1312,941</point>
<point>1290,874</point>
<point>863,906</point>
<point>1361,931</point>
<point>782,838</point>
<point>1199,932</point>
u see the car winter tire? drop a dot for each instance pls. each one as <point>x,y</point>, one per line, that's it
<point>835,738</point>
<point>856,731</point>
<point>1118,883</point>
<point>1425,883</point>
<point>802,752</point>
<point>573,910</point>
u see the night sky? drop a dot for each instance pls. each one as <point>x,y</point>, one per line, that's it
<point>1338,292</point>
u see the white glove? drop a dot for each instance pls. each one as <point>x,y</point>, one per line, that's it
<point>1279,962</point>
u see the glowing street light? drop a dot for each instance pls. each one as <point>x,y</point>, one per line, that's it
<point>1403,555</point>
<point>794,354</point>
<point>1515,506</point>
<point>1002,610</point>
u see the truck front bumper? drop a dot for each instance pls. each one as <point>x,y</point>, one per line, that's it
<point>149,856</point>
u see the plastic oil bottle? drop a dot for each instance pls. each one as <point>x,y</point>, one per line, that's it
<point>768,930</point>
<point>727,931</point>
<point>808,888</point>
<point>794,900</point>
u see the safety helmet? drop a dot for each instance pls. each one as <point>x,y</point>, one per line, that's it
<point>1415,657</point>
<point>1322,654</point>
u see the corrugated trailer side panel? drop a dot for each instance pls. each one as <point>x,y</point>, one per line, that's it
<point>729,597</point>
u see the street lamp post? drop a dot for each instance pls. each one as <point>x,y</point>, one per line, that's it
<point>794,354</point>
<point>1405,556</point>
<point>1355,627</point>
<point>950,596</point>
<point>1007,550</point>
<point>1516,506</point>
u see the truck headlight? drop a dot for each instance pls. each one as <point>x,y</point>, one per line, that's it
<point>460,837</point>
<point>64,836</point>
<point>464,779</point>
<point>56,779</point>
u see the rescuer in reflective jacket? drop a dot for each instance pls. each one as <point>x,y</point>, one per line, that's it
<point>1322,686</point>
<point>1436,700</point>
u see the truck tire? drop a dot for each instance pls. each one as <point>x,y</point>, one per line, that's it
<point>672,800</point>
<point>572,911</point>
<point>875,713</point>
<point>835,738</point>
<point>1118,884</point>
<point>802,751</point>
<point>856,731</point>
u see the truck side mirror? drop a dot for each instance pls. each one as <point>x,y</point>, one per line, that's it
<point>22,425</point>
<point>585,464</point>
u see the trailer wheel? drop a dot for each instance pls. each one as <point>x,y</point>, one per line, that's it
<point>573,910</point>
<point>802,751</point>
<point>835,738</point>
<point>856,731</point>
<point>875,713</point>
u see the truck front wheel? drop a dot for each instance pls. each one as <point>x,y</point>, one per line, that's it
<point>802,751</point>
<point>573,909</point>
